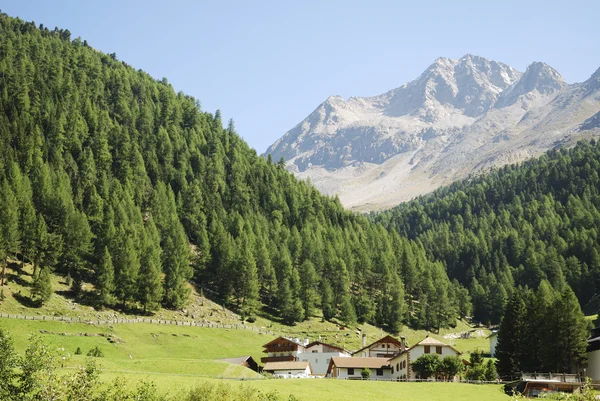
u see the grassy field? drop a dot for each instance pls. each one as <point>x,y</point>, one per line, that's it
<point>178,357</point>
<point>336,390</point>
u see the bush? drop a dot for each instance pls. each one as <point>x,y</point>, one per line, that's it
<point>96,352</point>
<point>365,373</point>
<point>426,365</point>
<point>78,351</point>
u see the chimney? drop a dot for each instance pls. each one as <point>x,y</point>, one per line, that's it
<point>364,340</point>
<point>306,341</point>
<point>402,344</point>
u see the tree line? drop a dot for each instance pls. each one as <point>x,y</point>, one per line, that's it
<point>542,330</point>
<point>514,226</point>
<point>111,179</point>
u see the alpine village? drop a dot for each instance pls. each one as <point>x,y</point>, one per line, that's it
<point>147,252</point>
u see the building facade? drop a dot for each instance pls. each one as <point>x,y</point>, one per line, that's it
<point>401,363</point>
<point>351,368</point>
<point>319,356</point>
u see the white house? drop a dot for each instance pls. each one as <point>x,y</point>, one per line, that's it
<point>401,363</point>
<point>593,356</point>
<point>319,355</point>
<point>351,368</point>
<point>283,349</point>
<point>386,347</point>
<point>493,343</point>
<point>288,369</point>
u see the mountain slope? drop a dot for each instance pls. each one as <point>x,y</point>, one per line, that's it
<point>132,193</point>
<point>518,225</point>
<point>457,118</point>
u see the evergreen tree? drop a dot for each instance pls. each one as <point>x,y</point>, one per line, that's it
<point>510,349</point>
<point>9,225</point>
<point>149,289</point>
<point>105,276</point>
<point>41,289</point>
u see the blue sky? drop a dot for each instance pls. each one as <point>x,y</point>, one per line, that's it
<point>268,64</point>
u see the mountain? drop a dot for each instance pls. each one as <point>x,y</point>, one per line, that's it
<point>130,191</point>
<point>458,118</point>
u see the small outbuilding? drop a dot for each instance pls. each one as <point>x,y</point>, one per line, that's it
<point>289,369</point>
<point>351,368</point>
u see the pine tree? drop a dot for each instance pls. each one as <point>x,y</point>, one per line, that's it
<point>177,268</point>
<point>308,291</point>
<point>105,276</point>
<point>41,289</point>
<point>571,333</point>
<point>511,336</point>
<point>9,225</point>
<point>149,290</point>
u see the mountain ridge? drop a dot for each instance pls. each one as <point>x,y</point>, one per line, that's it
<point>458,117</point>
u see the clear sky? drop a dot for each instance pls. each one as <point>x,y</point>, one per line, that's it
<point>268,64</point>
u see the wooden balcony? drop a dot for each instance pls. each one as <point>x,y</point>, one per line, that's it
<point>287,358</point>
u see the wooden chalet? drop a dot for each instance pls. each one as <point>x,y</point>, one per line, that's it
<point>282,349</point>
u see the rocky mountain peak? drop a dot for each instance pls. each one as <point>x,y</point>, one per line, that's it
<point>539,77</point>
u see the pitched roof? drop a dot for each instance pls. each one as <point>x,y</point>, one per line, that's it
<point>328,345</point>
<point>430,341</point>
<point>282,339</point>
<point>371,363</point>
<point>291,365</point>
<point>386,339</point>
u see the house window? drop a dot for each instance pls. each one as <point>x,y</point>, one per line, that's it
<point>397,366</point>
<point>427,349</point>
<point>379,372</point>
<point>315,351</point>
<point>350,371</point>
<point>438,350</point>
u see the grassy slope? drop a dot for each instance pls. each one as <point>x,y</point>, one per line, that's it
<point>176,357</point>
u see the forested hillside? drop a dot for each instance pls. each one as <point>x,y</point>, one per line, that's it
<point>515,226</point>
<point>109,177</point>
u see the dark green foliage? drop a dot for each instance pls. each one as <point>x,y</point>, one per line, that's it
<point>9,362</point>
<point>426,366</point>
<point>451,366</point>
<point>78,351</point>
<point>546,333</point>
<point>521,224</point>
<point>365,373</point>
<point>41,289</point>
<point>97,152</point>
<point>96,352</point>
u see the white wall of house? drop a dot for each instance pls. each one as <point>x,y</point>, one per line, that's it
<point>292,373</point>
<point>379,350</point>
<point>348,373</point>
<point>319,361</point>
<point>593,366</point>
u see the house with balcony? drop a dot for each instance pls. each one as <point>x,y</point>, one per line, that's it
<point>386,347</point>
<point>283,349</point>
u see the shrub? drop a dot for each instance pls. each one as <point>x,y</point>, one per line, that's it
<point>96,352</point>
<point>426,365</point>
<point>365,373</point>
<point>78,351</point>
